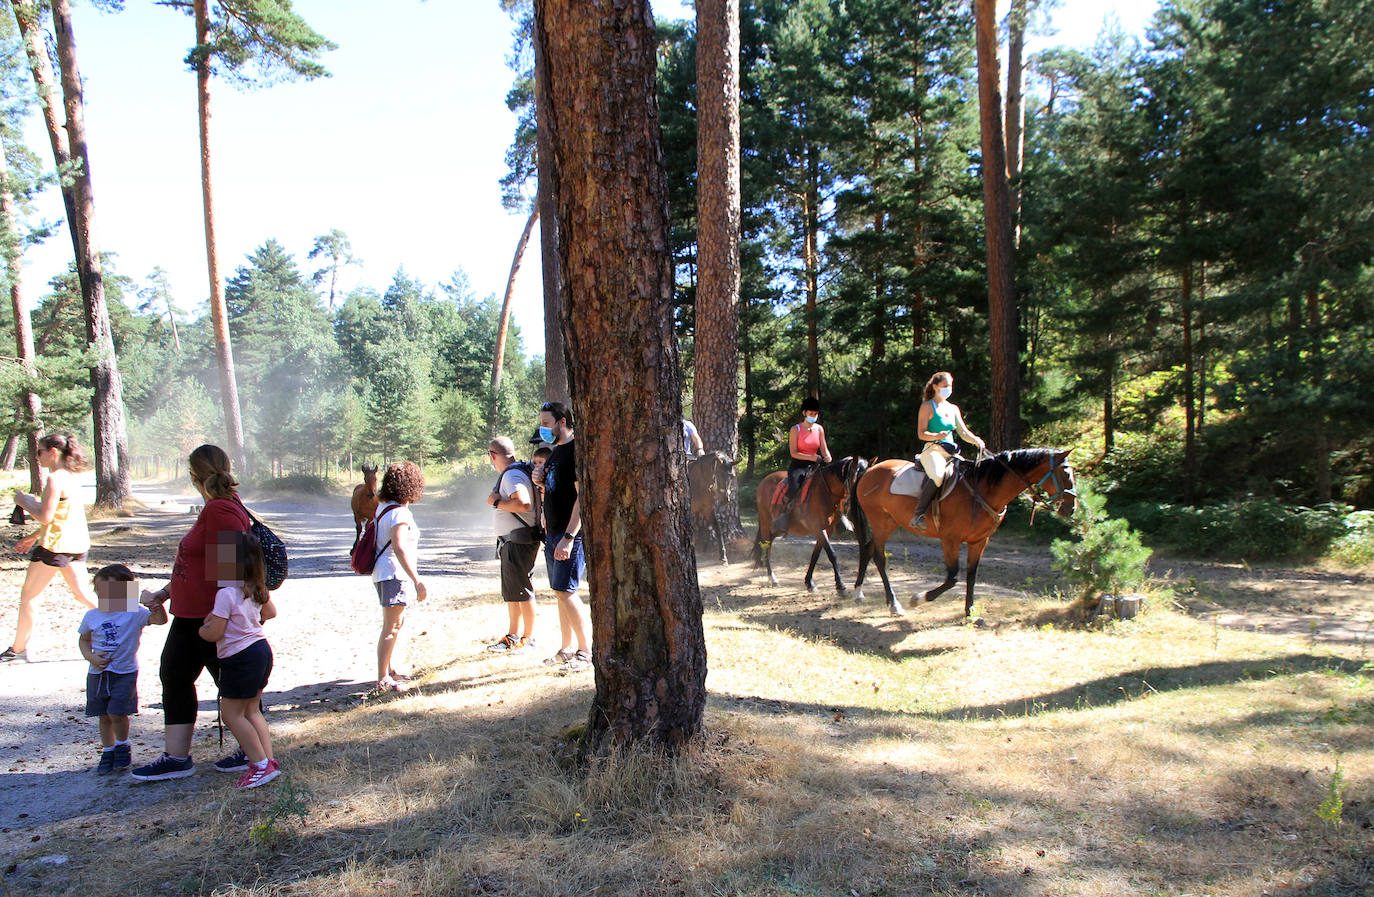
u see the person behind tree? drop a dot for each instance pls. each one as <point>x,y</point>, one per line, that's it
<point>691,440</point>
<point>60,544</point>
<point>806,444</point>
<point>936,422</point>
<point>563,553</point>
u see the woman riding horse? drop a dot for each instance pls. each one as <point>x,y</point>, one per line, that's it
<point>806,445</point>
<point>937,420</point>
<point>816,513</point>
<point>970,514</point>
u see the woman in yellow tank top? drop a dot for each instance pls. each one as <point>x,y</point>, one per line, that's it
<point>61,542</point>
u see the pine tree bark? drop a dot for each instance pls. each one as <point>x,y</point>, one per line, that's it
<point>1189,413</point>
<point>504,324</point>
<point>648,646</point>
<point>219,312</point>
<point>111,443</point>
<point>1016,108</point>
<point>715,401</point>
<point>555,352</point>
<point>1002,324</point>
<point>30,407</point>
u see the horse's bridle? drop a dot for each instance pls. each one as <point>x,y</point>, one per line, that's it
<point>1035,492</point>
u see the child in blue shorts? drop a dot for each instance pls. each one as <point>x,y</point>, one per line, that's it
<point>109,642</point>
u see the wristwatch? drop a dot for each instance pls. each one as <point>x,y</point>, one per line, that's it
<point>569,536</point>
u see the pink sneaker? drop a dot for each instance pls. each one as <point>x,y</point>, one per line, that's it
<point>255,777</point>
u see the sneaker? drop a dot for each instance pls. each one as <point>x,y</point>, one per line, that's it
<point>524,646</point>
<point>255,777</point>
<point>123,759</point>
<point>235,762</point>
<point>582,660</point>
<point>164,767</point>
<point>507,643</point>
<point>561,657</point>
<point>106,764</point>
<point>10,654</point>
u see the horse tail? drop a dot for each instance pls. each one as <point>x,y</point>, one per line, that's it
<point>863,530</point>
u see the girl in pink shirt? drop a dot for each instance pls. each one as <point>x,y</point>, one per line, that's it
<point>245,659</point>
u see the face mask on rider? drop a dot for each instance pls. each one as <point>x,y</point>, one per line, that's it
<point>812,418</point>
<point>944,392</point>
<point>546,434</point>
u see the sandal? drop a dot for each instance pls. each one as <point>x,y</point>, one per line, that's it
<point>389,684</point>
<point>559,659</point>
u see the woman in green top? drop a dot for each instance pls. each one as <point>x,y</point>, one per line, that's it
<point>937,421</point>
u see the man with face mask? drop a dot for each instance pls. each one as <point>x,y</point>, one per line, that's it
<point>937,421</point>
<point>563,540</point>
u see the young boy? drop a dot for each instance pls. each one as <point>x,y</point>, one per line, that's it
<point>109,642</point>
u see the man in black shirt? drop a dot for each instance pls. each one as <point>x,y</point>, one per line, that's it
<point>563,538</point>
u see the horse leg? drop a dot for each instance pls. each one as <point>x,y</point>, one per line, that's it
<point>719,531</point>
<point>811,567</point>
<point>975,554</point>
<point>880,561</point>
<point>824,542</point>
<point>865,552</point>
<point>768,559</point>
<point>951,571</point>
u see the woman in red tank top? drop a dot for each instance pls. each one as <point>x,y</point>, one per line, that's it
<point>806,445</point>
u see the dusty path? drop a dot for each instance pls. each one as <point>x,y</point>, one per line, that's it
<point>325,636</point>
<point>324,641</point>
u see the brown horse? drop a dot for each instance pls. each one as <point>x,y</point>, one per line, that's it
<point>970,513</point>
<point>708,478</point>
<point>364,500</point>
<point>815,513</point>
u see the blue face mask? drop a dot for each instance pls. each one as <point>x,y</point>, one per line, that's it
<point>812,418</point>
<point>546,434</point>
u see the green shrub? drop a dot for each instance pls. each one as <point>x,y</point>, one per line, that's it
<point>298,482</point>
<point>1255,528</point>
<point>1355,547</point>
<point>1106,556</point>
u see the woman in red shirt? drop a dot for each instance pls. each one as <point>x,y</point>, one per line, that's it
<point>192,592</point>
<point>806,445</point>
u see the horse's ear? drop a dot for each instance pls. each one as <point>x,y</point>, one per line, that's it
<point>1058,458</point>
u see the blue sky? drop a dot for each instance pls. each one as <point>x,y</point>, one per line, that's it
<point>401,149</point>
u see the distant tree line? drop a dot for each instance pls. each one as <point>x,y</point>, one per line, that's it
<point>403,372</point>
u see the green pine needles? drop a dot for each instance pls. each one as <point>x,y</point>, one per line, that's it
<point>1106,556</point>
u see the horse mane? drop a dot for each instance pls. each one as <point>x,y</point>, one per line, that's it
<point>991,471</point>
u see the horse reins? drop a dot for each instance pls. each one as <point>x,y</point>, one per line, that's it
<point>1034,492</point>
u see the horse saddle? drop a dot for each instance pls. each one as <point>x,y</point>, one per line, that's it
<point>910,477</point>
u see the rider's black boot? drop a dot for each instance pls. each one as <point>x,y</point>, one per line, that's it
<point>928,490</point>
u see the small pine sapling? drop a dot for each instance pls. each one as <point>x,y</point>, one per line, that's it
<point>1106,555</point>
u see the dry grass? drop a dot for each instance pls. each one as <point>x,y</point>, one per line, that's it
<point>846,753</point>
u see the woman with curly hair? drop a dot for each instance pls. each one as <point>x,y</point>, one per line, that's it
<point>394,575</point>
<point>61,542</point>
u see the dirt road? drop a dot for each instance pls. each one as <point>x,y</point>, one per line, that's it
<point>325,637</point>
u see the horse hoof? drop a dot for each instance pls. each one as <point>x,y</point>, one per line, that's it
<point>811,587</point>
<point>842,592</point>
<point>772,581</point>
<point>858,596</point>
<point>896,610</point>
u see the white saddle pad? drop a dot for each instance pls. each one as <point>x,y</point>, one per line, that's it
<point>908,480</point>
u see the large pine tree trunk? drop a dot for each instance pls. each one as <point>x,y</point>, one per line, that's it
<point>1189,415</point>
<point>219,312</point>
<point>811,225</point>
<point>715,402</point>
<point>30,407</point>
<point>112,487</point>
<point>555,352</point>
<point>648,645</point>
<point>504,325</point>
<point>1006,375</point>
<point>1016,108</point>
